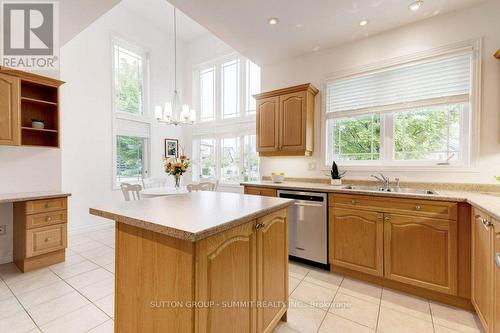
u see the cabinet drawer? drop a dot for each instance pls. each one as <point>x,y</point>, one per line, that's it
<point>45,219</point>
<point>429,208</point>
<point>267,192</point>
<point>46,205</point>
<point>45,239</point>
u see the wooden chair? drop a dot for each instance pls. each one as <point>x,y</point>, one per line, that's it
<point>203,186</point>
<point>131,191</point>
<point>154,182</point>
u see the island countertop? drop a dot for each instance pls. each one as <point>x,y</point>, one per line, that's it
<point>191,216</point>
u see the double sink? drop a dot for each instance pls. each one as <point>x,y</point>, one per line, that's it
<point>390,189</point>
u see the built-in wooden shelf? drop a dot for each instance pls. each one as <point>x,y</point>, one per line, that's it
<point>39,129</point>
<point>37,101</point>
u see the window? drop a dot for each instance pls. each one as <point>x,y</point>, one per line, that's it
<point>131,123</point>
<point>230,89</point>
<point>207,158</point>
<point>129,80</point>
<point>226,87</point>
<point>413,113</point>
<point>252,85</point>
<point>130,159</point>
<point>229,158</point>
<point>207,94</point>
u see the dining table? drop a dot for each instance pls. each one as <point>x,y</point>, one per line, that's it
<point>163,191</point>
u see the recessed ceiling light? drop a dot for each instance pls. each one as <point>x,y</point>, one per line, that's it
<point>416,5</point>
<point>316,48</point>
<point>299,25</point>
<point>363,23</point>
<point>273,20</point>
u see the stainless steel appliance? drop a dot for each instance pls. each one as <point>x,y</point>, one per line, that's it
<point>307,225</point>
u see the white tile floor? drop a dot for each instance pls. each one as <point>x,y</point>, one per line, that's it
<point>77,296</point>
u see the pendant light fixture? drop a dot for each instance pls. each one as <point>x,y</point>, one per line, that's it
<point>174,112</point>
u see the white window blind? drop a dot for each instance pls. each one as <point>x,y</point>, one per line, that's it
<point>446,79</point>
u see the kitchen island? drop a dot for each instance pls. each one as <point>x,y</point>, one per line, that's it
<point>200,262</point>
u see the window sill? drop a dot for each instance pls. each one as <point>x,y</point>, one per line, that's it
<point>406,168</point>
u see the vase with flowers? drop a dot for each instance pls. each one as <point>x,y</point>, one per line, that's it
<point>176,167</point>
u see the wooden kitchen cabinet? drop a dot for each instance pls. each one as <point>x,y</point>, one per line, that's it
<point>272,268</point>
<point>356,240</point>
<point>9,110</point>
<point>25,96</point>
<point>496,277</point>
<point>285,121</point>
<point>433,266</point>
<point>482,267</point>
<point>227,271</point>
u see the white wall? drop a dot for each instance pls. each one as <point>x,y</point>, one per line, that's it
<point>471,23</point>
<point>87,104</point>
<point>25,169</point>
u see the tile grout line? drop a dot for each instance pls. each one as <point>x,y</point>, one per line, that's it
<point>331,303</point>
<point>379,308</point>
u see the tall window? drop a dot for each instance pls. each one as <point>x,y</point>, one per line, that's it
<point>131,123</point>
<point>129,80</point>
<point>229,158</point>
<point>412,113</point>
<point>226,87</point>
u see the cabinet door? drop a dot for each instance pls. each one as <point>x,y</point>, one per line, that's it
<point>293,122</point>
<point>272,267</point>
<point>9,110</point>
<point>267,124</point>
<point>496,297</point>
<point>432,265</point>
<point>356,240</point>
<point>482,265</point>
<point>226,273</point>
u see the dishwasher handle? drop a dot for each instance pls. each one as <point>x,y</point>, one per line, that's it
<point>307,204</point>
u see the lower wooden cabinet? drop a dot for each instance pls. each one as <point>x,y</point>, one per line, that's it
<point>482,267</point>
<point>247,264</point>
<point>266,192</point>
<point>356,240</point>
<point>496,277</point>
<point>433,265</point>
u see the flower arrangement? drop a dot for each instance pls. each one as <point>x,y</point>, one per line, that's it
<point>177,167</point>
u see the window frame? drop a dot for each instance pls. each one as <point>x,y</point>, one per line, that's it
<point>243,114</point>
<point>129,124</point>
<point>470,132</point>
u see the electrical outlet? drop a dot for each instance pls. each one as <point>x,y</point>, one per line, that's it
<point>3,229</point>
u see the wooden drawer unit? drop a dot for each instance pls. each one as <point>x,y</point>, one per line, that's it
<point>428,208</point>
<point>45,239</point>
<point>40,232</point>
<point>46,219</point>
<point>267,192</point>
<point>46,205</point>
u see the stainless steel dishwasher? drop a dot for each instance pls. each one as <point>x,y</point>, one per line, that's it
<point>307,226</point>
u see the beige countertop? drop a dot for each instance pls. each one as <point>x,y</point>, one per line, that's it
<point>25,196</point>
<point>488,202</point>
<point>191,216</point>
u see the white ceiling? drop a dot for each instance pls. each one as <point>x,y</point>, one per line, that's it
<point>305,25</point>
<point>160,14</point>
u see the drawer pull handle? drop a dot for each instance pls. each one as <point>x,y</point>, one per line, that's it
<point>387,218</point>
<point>47,239</point>
<point>418,207</point>
<point>485,222</point>
<point>259,226</point>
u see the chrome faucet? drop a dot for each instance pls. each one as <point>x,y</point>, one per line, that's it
<point>383,179</point>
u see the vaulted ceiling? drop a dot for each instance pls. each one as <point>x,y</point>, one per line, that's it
<point>304,25</point>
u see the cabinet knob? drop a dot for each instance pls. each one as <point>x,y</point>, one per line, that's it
<point>48,219</point>
<point>259,192</point>
<point>259,226</point>
<point>353,201</point>
<point>47,239</point>
<point>47,205</point>
<point>418,207</point>
<point>387,218</point>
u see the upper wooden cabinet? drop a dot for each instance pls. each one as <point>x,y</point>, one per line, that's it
<point>285,121</point>
<point>23,97</point>
<point>9,110</point>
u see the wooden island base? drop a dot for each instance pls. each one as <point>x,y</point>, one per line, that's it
<point>166,284</point>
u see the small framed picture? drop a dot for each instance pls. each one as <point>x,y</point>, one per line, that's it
<point>171,148</point>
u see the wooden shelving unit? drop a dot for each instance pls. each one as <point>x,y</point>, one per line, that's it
<point>31,97</point>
